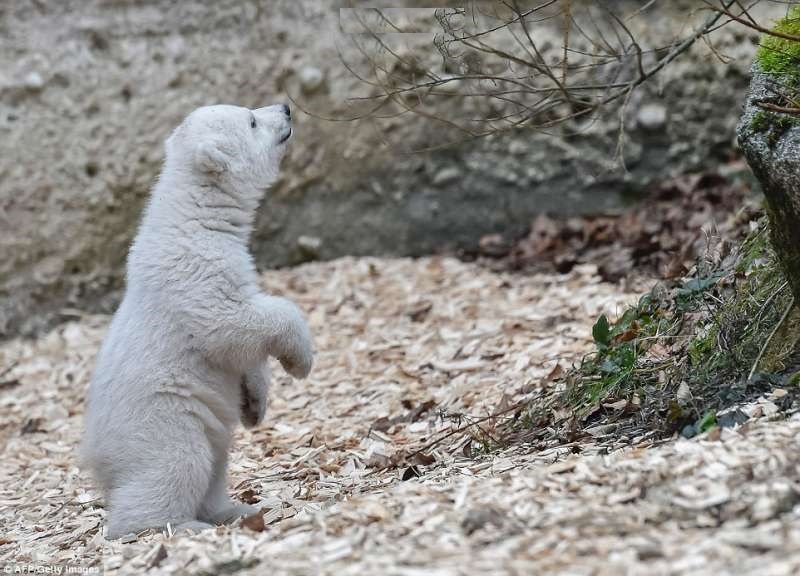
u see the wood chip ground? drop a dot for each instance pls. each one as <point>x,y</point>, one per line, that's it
<point>409,350</point>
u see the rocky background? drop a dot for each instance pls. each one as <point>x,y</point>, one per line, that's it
<point>89,89</point>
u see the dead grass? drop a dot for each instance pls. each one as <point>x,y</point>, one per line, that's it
<point>690,348</point>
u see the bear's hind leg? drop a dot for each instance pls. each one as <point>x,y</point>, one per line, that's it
<point>217,506</point>
<point>169,490</point>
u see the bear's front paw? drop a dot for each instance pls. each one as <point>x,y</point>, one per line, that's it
<point>299,355</point>
<point>299,364</point>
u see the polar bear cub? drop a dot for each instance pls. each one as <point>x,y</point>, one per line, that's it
<point>185,358</point>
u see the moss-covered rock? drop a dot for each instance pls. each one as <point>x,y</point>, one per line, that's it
<point>769,135</point>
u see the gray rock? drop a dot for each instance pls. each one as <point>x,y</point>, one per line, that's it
<point>446,175</point>
<point>309,246</point>
<point>34,81</point>
<point>311,79</point>
<point>652,116</point>
<point>771,143</point>
<point>517,147</point>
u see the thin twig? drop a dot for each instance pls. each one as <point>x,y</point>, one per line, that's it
<point>465,427</point>
<point>13,364</point>
<point>750,24</point>
<point>775,108</point>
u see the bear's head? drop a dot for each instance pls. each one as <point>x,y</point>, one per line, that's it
<point>237,148</point>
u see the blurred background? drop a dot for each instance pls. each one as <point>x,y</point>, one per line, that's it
<point>89,90</point>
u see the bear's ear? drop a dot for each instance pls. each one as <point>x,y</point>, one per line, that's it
<point>210,158</point>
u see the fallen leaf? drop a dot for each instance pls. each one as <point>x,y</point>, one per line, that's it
<point>618,405</point>
<point>382,424</point>
<point>628,335</point>
<point>330,467</point>
<point>249,496</point>
<point>658,351</point>
<point>419,312</point>
<point>422,459</point>
<point>254,522</point>
<point>555,373</point>
<point>421,409</point>
<point>378,461</point>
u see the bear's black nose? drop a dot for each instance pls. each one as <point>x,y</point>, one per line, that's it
<point>287,111</point>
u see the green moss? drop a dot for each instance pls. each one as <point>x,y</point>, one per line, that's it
<point>780,124</point>
<point>780,56</point>
<point>773,124</point>
<point>759,122</point>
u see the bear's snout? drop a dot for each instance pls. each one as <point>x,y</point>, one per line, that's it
<point>287,111</point>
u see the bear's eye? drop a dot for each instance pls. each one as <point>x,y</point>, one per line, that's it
<point>252,122</point>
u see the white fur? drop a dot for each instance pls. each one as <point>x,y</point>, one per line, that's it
<point>185,357</point>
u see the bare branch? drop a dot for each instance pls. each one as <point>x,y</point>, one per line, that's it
<point>509,75</point>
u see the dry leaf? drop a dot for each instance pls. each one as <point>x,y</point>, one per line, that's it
<point>254,522</point>
<point>422,459</point>
<point>420,311</point>
<point>658,351</point>
<point>555,373</point>
<point>249,496</point>
<point>618,405</point>
<point>378,461</point>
